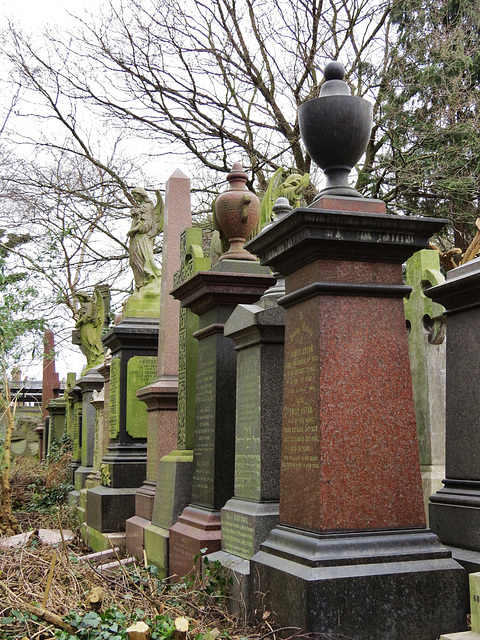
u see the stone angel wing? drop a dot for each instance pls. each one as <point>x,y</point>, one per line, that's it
<point>157,216</point>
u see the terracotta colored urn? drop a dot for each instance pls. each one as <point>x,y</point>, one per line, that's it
<point>237,211</point>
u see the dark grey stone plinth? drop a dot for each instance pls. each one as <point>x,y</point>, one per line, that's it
<point>107,508</point>
<point>91,381</point>
<point>258,332</point>
<point>455,509</point>
<point>213,295</point>
<point>381,585</point>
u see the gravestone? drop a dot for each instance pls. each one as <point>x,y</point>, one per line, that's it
<point>352,531</point>
<point>133,344</point>
<point>455,509</point>
<point>161,396</point>
<point>258,332</point>
<point>89,383</point>
<point>74,429</point>
<point>426,342</point>
<point>57,413</point>
<point>174,478</point>
<point>351,555</point>
<point>212,295</point>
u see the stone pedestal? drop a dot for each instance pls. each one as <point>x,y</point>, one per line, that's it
<point>351,555</point>
<point>74,429</point>
<point>133,344</point>
<point>57,424</point>
<point>258,332</point>
<point>161,397</point>
<point>89,383</point>
<point>213,295</point>
<point>174,477</point>
<point>426,343</point>
<point>455,509</point>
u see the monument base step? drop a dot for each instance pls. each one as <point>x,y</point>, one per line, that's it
<point>81,476</point>
<point>98,541</point>
<point>462,635</point>
<point>246,524</point>
<point>144,499</point>
<point>237,573</point>
<point>195,530</point>
<point>135,529</point>
<point>468,558</point>
<point>342,584</point>
<point>455,516</point>
<point>157,548</point>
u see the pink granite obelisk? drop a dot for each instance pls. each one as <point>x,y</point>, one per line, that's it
<point>50,381</point>
<point>161,396</point>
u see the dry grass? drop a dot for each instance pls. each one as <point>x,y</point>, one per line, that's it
<point>24,575</point>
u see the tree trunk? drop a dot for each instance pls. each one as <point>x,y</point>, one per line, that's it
<point>8,523</point>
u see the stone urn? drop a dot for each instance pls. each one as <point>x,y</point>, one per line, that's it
<point>336,128</point>
<point>237,211</point>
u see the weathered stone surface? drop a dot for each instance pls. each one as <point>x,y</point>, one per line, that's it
<point>455,509</point>
<point>123,467</point>
<point>426,342</point>
<point>161,396</point>
<point>351,556</point>
<point>213,295</point>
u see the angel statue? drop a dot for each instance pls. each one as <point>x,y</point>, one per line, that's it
<point>147,223</point>
<point>291,188</point>
<point>91,318</point>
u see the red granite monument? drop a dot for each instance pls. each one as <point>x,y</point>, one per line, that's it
<point>351,555</point>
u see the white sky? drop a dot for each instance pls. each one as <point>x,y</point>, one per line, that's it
<point>36,14</point>
<point>33,16</point>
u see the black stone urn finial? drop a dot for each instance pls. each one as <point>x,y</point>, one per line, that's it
<point>335,128</point>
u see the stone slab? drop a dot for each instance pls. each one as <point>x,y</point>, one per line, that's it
<point>195,529</point>
<point>135,531</point>
<point>99,541</point>
<point>468,558</point>
<point>156,540</point>
<point>246,524</point>
<point>174,491</point>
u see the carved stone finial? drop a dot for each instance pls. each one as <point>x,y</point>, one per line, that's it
<point>335,128</point>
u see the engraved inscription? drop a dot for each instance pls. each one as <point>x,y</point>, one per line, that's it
<point>247,445</point>
<point>300,434</point>
<point>182,380</point>
<point>204,451</point>
<point>114,399</point>
<point>77,431</point>
<point>141,371</point>
<point>237,534</point>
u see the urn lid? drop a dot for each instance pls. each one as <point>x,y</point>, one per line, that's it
<point>334,85</point>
